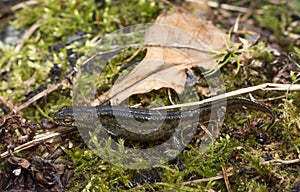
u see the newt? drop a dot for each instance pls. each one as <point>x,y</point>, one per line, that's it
<point>146,125</point>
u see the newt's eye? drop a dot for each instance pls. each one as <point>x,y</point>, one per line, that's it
<point>68,121</point>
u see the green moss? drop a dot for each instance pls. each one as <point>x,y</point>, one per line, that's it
<point>278,19</point>
<point>60,22</point>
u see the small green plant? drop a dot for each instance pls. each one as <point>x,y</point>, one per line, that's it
<point>275,18</point>
<point>231,53</point>
<point>295,76</point>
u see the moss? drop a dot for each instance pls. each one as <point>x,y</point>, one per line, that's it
<point>277,19</point>
<point>52,43</point>
<point>61,22</point>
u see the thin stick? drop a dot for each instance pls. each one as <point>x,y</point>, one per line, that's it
<point>145,45</point>
<point>206,179</point>
<point>177,46</point>
<point>210,135</point>
<point>134,54</point>
<point>22,4</point>
<point>250,11</point>
<point>225,6</point>
<point>280,161</point>
<point>265,87</point>
<point>43,93</point>
<point>226,178</point>
<point>6,103</point>
<point>37,139</point>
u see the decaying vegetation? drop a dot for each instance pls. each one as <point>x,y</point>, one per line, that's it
<point>261,45</point>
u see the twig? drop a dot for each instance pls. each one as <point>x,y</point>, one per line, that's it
<point>206,179</point>
<point>280,161</point>
<point>225,6</point>
<point>271,98</point>
<point>177,46</point>
<point>37,97</point>
<point>210,135</point>
<point>226,178</point>
<point>21,5</point>
<point>28,34</point>
<point>250,11</point>
<point>265,87</point>
<point>10,7</point>
<point>39,139</point>
<point>170,96</point>
<point>236,24</point>
<point>6,103</point>
<point>134,54</point>
<point>43,93</point>
<point>145,45</point>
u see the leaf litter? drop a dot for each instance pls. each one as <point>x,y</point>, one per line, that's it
<point>166,67</point>
<point>285,132</point>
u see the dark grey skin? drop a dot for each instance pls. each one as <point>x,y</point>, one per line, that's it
<point>145,125</point>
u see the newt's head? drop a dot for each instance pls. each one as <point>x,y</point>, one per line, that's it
<point>76,116</point>
<point>64,116</point>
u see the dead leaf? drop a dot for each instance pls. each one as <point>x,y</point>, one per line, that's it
<point>20,161</point>
<point>177,34</point>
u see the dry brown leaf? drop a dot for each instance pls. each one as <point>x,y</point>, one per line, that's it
<point>165,65</point>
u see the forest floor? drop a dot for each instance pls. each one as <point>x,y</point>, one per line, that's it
<point>60,53</point>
